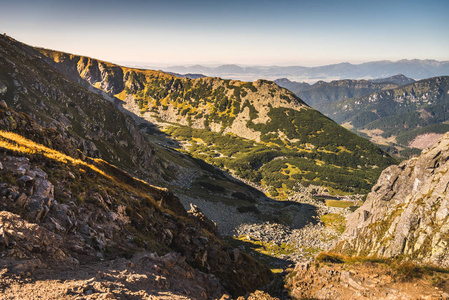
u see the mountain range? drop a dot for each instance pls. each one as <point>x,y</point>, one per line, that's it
<point>417,69</point>
<point>319,94</point>
<point>99,164</point>
<point>396,112</point>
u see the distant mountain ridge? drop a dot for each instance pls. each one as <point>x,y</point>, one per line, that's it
<point>402,113</point>
<point>321,93</point>
<point>416,68</point>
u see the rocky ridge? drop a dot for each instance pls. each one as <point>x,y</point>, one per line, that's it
<point>397,115</point>
<point>406,214</point>
<point>239,100</point>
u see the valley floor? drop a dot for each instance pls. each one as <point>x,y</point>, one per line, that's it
<point>304,228</point>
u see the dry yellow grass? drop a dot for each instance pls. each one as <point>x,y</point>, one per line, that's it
<point>18,143</point>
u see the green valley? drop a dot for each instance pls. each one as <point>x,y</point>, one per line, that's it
<point>258,131</point>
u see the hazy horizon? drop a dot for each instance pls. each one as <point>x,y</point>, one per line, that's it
<point>218,64</point>
<point>262,33</point>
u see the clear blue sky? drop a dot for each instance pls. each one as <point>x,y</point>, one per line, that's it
<point>243,32</point>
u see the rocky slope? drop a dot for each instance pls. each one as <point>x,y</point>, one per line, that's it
<point>406,214</point>
<point>59,212</point>
<point>262,126</point>
<point>91,125</point>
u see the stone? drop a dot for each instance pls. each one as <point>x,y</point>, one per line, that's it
<point>43,188</point>
<point>235,254</point>
<point>4,241</point>
<point>407,206</point>
<point>23,200</point>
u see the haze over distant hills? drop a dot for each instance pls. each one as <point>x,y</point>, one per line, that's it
<point>417,69</point>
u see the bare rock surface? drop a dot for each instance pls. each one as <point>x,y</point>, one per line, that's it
<point>406,213</point>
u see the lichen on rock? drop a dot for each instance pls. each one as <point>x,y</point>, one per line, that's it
<point>406,213</point>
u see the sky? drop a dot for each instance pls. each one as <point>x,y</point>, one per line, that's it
<point>245,32</point>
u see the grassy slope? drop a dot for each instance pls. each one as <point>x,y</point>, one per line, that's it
<point>291,135</point>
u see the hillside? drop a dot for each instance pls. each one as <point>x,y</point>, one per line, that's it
<point>237,206</point>
<point>399,115</point>
<point>61,213</point>
<point>405,216</point>
<point>257,131</point>
<point>96,127</point>
<point>320,94</point>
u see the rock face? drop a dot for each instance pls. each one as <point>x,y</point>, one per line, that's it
<point>406,213</point>
<point>89,122</point>
<point>320,94</point>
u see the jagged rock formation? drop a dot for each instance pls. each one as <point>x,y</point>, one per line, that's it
<point>63,211</point>
<point>406,214</point>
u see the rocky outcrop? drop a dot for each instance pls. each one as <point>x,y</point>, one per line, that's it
<point>406,214</point>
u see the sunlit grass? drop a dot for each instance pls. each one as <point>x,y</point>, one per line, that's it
<point>339,203</point>
<point>402,270</point>
<point>18,143</point>
<point>336,221</point>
